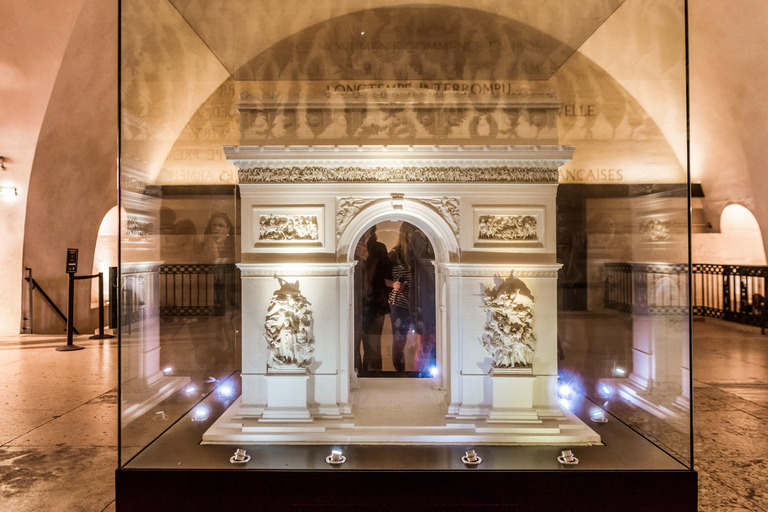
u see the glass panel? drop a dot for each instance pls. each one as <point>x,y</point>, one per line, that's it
<point>491,201</point>
<point>395,321</point>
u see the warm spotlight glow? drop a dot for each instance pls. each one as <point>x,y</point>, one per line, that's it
<point>200,413</point>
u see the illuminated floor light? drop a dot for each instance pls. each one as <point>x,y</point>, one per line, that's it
<point>336,457</point>
<point>226,390</point>
<point>168,370</point>
<point>620,371</point>
<point>190,390</point>
<point>200,413</point>
<point>604,390</point>
<point>599,417</point>
<point>565,391</point>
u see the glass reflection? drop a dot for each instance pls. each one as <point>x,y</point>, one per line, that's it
<point>394,302</point>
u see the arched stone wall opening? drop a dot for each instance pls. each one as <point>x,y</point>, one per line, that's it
<point>446,248</point>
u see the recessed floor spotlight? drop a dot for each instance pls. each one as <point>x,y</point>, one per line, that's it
<point>566,457</point>
<point>471,458</point>
<point>168,370</point>
<point>335,458</point>
<point>599,417</point>
<point>565,391</point>
<point>200,413</point>
<point>226,390</point>
<point>239,457</point>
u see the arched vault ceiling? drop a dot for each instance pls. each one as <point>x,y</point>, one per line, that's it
<point>541,34</point>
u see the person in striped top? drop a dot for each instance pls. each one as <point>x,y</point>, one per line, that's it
<point>401,257</point>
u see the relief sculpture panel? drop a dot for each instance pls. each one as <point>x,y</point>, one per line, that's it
<point>508,335</point>
<point>289,328</point>
<point>508,227</point>
<point>289,227</point>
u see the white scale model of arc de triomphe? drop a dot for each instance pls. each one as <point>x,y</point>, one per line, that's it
<point>489,213</point>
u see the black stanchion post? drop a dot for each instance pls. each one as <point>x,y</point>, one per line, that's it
<point>71,270</point>
<point>101,335</point>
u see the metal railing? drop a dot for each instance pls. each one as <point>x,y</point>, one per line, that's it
<point>198,290</point>
<point>735,293</point>
<point>731,292</point>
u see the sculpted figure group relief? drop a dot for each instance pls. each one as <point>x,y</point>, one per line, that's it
<point>508,335</point>
<point>289,328</point>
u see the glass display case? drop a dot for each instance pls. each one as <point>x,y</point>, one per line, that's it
<point>404,255</point>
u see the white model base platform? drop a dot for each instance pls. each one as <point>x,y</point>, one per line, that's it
<point>400,411</point>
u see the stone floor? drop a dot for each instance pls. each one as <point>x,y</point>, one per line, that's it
<point>58,416</point>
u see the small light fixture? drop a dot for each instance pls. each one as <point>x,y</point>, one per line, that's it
<point>620,371</point>
<point>566,457</point>
<point>336,458</point>
<point>168,370</point>
<point>190,390</point>
<point>434,371</point>
<point>8,191</point>
<point>471,458</point>
<point>239,457</point>
<point>599,417</point>
<point>200,413</point>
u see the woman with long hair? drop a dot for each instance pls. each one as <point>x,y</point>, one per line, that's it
<point>401,257</point>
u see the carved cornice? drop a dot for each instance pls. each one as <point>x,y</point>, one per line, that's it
<point>413,173</point>
<point>399,163</point>
<point>395,156</point>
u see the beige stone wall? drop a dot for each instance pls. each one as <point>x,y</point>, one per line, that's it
<point>34,39</point>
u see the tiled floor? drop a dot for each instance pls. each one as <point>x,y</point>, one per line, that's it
<point>58,417</point>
